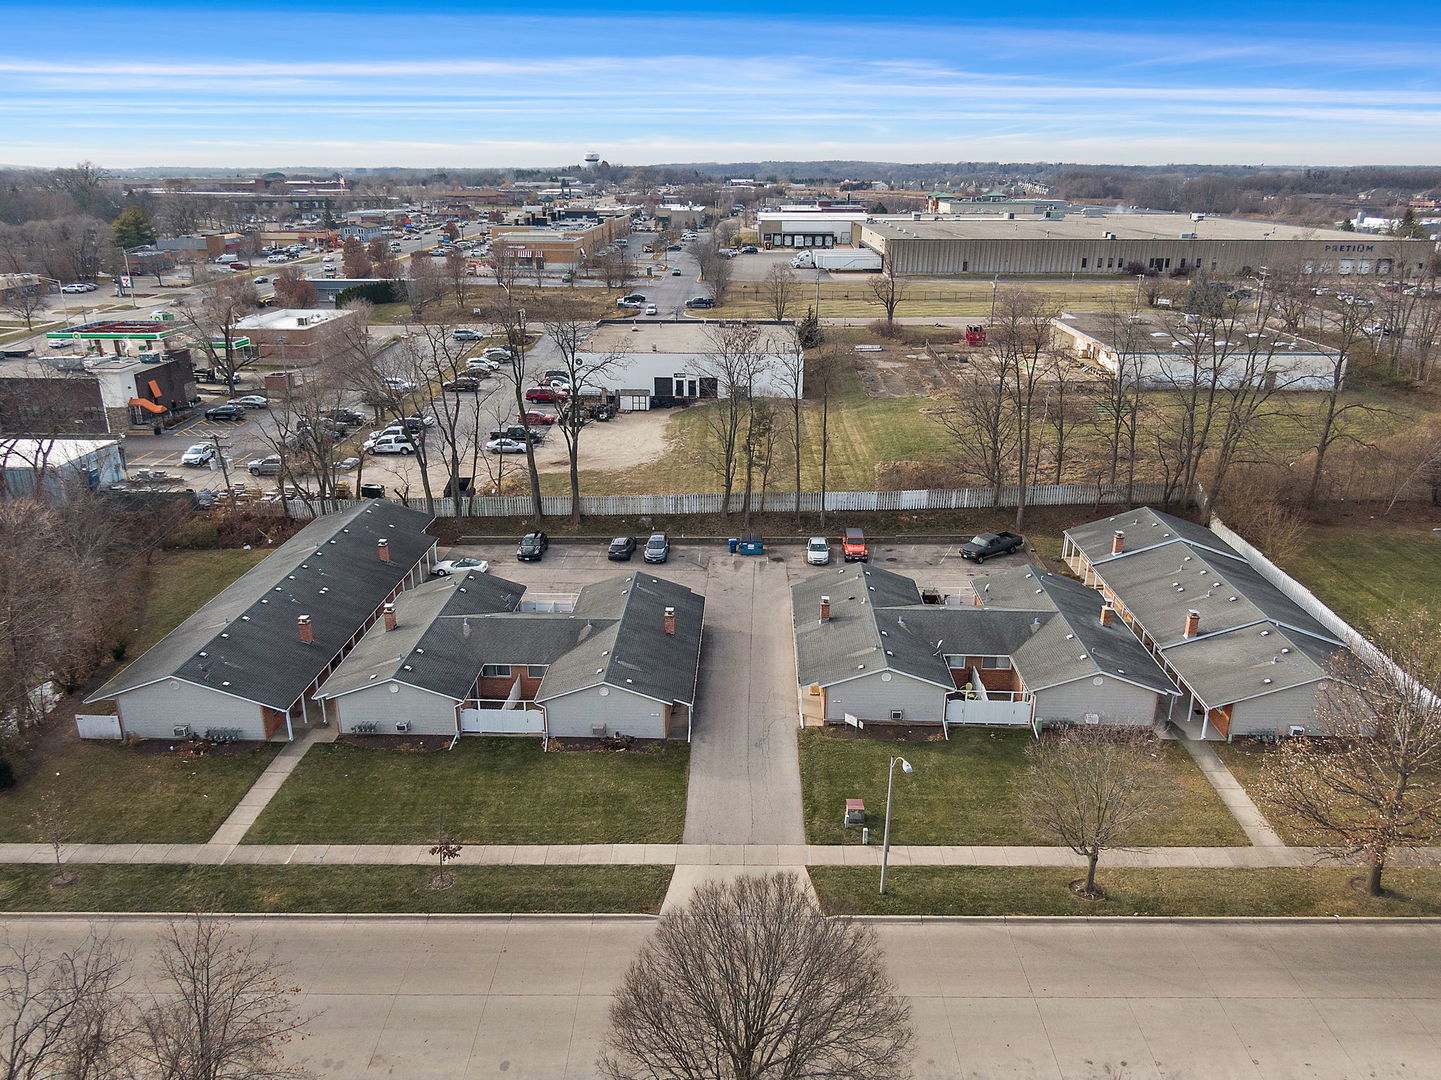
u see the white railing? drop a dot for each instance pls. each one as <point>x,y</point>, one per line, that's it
<point>777,501</point>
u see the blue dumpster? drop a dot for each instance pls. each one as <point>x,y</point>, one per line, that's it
<point>752,544</point>
<point>733,543</point>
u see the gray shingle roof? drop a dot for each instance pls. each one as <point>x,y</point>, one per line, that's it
<point>1246,663</point>
<point>863,633</point>
<point>636,654</point>
<point>429,647</point>
<point>245,641</point>
<point>1144,528</point>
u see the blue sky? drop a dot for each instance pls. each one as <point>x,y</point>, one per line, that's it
<point>358,82</point>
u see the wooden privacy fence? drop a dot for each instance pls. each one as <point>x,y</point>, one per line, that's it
<point>775,501</point>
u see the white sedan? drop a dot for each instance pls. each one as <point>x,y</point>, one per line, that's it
<point>459,566</point>
<point>505,446</point>
<point>199,454</point>
<point>251,401</point>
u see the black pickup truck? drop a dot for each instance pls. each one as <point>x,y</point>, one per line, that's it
<point>984,545</point>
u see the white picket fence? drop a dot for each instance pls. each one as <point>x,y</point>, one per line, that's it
<point>780,501</point>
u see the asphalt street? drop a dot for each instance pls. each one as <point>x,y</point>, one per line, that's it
<point>526,998</point>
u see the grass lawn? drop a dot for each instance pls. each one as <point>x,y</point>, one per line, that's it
<point>388,889</point>
<point>1363,569</point>
<point>961,792</point>
<point>1245,758</point>
<point>180,582</point>
<point>491,791</point>
<point>126,795</point>
<point>982,890</point>
<point>850,297</point>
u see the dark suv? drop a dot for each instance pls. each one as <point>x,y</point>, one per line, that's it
<point>532,546</point>
<point>621,549</point>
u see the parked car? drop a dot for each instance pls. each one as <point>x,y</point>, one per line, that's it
<point>854,547</point>
<point>251,401</point>
<point>675,271</point>
<point>503,353</point>
<point>234,413</point>
<point>459,566</point>
<point>750,249</point>
<point>506,446</point>
<point>818,551</point>
<point>404,386</point>
<point>621,549</point>
<point>544,395</point>
<point>650,309</point>
<point>75,287</point>
<point>630,305</point>
<point>262,280</point>
<point>532,546</point>
<point>983,546</point>
<point>519,434</point>
<point>700,302</point>
<point>266,466</point>
<point>463,334</point>
<point>349,417</point>
<point>533,418</point>
<point>657,548</point>
<point>466,384</point>
<point>480,366</point>
<point>632,298</point>
<point>198,454</point>
<point>417,422</point>
<point>389,444</point>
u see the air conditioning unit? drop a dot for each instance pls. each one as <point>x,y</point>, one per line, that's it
<point>402,725</point>
<point>898,714</point>
<point>1296,730</point>
<point>1091,718</point>
<point>599,730</point>
<point>181,731</point>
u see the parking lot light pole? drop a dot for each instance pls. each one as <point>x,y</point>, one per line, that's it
<point>890,792</point>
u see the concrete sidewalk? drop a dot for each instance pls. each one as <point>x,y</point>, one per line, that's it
<point>1258,830</point>
<point>233,829</point>
<point>714,855</point>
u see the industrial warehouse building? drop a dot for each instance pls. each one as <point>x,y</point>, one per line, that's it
<point>1107,244</point>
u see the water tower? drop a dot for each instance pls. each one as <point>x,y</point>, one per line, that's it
<point>592,160</point>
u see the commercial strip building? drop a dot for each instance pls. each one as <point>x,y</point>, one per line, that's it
<point>70,395</point>
<point>247,664</point>
<point>53,469</point>
<point>569,244</point>
<point>807,227</point>
<point>660,364</point>
<point>298,336</point>
<point>1107,245</point>
<point>1162,348</point>
<point>1248,659</point>
<point>462,655</point>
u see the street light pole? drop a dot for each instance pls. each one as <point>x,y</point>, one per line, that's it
<point>992,319</point>
<point>890,792</point>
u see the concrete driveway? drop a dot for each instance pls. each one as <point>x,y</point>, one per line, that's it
<point>526,998</point>
<point>745,785</point>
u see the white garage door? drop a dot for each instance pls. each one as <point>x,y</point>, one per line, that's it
<point>502,721</point>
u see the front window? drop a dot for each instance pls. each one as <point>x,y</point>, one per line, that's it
<point>495,671</point>
<point>996,663</point>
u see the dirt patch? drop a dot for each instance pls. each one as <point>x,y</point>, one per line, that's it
<point>629,440</point>
<point>902,369</point>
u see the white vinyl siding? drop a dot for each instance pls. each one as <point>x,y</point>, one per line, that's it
<point>1277,712</point>
<point>1114,701</point>
<point>873,698</point>
<point>427,713</point>
<point>154,711</point>
<point>576,715</point>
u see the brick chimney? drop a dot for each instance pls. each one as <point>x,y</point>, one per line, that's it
<point>382,550</point>
<point>670,621</point>
<point>307,633</point>
<point>388,613</point>
<point>1118,542</point>
<point>825,609</point>
<point>1193,623</point>
<point>1107,611</point>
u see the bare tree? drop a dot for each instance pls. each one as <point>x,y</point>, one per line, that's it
<point>354,262</point>
<point>1091,790</point>
<point>780,291</point>
<point>213,314</point>
<point>425,286</point>
<point>25,303</point>
<point>791,368</point>
<point>294,291</point>
<point>446,847</point>
<point>715,268</point>
<point>728,370</point>
<point>749,981</point>
<point>457,275</point>
<point>223,1010</point>
<point>1336,421</point>
<point>823,379</point>
<point>1373,784</point>
<point>510,318</point>
<point>567,331</point>
<point>62,1012</point>
<point>53,822</point>
<point>890,292</point>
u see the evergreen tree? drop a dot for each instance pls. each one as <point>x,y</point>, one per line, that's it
<point>1408,228</point>
<point>1348,226</point>
<point>132,229</point>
